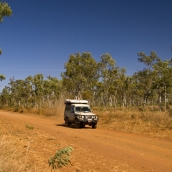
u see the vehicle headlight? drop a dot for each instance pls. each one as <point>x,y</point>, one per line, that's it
<point>80,116</point>
<point>96,117</point>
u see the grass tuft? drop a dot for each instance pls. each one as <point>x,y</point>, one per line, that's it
<point>29,127</point>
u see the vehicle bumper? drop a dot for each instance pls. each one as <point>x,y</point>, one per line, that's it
<point>88,121</point>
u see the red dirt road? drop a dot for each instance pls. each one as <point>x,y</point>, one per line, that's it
<point>99,150</point>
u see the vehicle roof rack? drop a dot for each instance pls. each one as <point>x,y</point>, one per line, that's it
<point>72,101</point>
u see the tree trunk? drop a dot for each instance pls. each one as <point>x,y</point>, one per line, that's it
<point>160,101</point>
<point>165,97</point>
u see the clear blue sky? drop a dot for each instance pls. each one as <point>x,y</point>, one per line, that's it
<point>40,35</point>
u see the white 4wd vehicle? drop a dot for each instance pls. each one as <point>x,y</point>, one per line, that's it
<point>78,112</point>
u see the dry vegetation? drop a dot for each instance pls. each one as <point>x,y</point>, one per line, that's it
<point>45,110</point>
<point>142,121</point>
<point>25,149</point>
<point>19,153</point>
<point>13,151</point>
<point>153,123</point>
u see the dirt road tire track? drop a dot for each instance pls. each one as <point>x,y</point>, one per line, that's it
<point>101,149</point>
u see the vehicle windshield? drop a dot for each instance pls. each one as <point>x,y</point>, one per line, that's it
<point>82,109</point>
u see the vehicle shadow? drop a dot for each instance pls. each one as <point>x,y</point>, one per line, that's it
<point>73,126</point>
<point>62,125</point>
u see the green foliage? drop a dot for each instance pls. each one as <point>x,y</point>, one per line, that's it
<point>33,92</point>
<point>81,74</point>
<point>103,83</point>
<point>2,77</point>
<point>29,127</point>
<point>148,60</point>
<point>5,10</point>
<point>61,158</point>
<point>111,80</point>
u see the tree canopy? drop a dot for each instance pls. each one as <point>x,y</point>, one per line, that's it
<point>102,82</point>
<point>5,10</point>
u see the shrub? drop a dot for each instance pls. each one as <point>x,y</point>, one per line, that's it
<point>29,127</point>
<point>61,158</point>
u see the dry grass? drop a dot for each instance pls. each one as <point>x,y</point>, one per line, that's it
<point>24,150</point>
<point>148,121</point>
<point>46,110</point>
<point>13,157</point>
<point>158,124</point>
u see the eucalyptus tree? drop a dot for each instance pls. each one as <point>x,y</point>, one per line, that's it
<point>5,10</point>
<point>30,93</point>
<point>38,84</point>
<point>5,97</point>
<point>81,75</point>
<point>146,77</point>
<point>108,71</point>
<point>52,91</point>
<point>128,91</point>
<point>22,93</point>
<point>18,93</point>
<point>164,81</point>
<point>12,91</point>
<point>122,87</point>
<point>11,95</point>
<point>111,79</point>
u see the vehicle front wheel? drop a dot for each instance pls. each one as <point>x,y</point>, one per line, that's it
<point>67,123</point>
<point>94,125</point>
<point>77,124</point>
<point>82,125</point>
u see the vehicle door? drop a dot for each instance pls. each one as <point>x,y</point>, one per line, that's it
<point>67,111</point>
<point>72,114</point>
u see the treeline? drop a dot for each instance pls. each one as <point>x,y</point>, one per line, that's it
<point>103,83</point>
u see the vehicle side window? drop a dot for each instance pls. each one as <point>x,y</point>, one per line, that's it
<point>85,109</point>
<point>67,108</point>
<point>72,109</point>
<point>78,109</point>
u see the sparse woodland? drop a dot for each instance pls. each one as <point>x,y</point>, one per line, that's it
<point>103,83</point>
<point>141,103</point>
